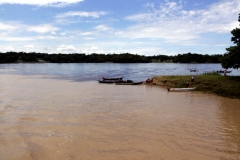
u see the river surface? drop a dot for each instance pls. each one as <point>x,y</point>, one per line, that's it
<point>54,114</point>
<point>94,71</point>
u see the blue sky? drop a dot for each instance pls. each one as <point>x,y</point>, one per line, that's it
<point>144,27</point>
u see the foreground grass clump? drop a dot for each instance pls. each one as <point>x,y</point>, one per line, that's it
<point>226,86</point>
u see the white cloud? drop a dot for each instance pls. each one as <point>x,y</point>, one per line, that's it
<point>94,48</point>
<point>7,26</point>
<point>53,3</point>
<point>29,46</point>
<point>171,22</point>
<point>81,14</point>
<point>22,38</point>
<point>42,28</point>
<point>9,38</point>
<point>7,48</point>
<point>77,16</point>
<point>66,48</point>
<point>63,33</point>
<point>86,33</point>
<point>102,28</point>
<point>139,17</point>
<point>46,38</point>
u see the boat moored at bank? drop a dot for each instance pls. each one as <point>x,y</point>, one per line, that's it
<point>181,89</point>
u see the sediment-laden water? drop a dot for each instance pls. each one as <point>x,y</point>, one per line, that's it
<point>47,118</point>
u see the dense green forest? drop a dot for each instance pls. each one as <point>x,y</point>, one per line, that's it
<point>15,57</point>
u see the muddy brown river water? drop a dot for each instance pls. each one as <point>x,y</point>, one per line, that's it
<point>51,119</point>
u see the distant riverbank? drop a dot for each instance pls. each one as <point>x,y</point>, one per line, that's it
<point>226,86</point>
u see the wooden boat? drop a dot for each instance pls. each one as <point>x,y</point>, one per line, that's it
<point>120,78</point>
<point>181,89</point>
<point>193,70</point>
<point>128,82</point>
<point>108,81</point>
<point>221,71</point>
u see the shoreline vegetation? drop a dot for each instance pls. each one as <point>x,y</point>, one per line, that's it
<point>23,57</point>
<point>213,83</point>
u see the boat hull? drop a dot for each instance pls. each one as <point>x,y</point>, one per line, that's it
<point>181,89</point>
<point>224,71</point>
<point>128,83</point>
<point>108,81</point>
<point>120,78</point>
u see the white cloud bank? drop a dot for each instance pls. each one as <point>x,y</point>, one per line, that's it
<point>77,16</point>
<point>66,49</point>
<point>45,28</point>
<point>7,27</point>
<point>56,3</point>
<point>171,22</point>
<point>162,28</point>
<point>81,14</point>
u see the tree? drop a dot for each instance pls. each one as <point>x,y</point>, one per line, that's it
<point>231,59</point>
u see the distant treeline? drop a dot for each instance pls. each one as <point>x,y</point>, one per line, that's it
<point>13,57</point>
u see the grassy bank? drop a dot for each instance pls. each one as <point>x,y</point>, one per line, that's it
<point>226,86</point>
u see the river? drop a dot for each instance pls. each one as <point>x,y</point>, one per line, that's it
<point>51,113</point>
<point>94,71</point>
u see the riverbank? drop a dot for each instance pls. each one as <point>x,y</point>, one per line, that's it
<point>226,86</point>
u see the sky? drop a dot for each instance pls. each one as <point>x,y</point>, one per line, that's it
<point>143,27</point>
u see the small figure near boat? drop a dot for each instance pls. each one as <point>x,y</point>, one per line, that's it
<point>149,80</point>
<point>187,85</point>
<point>192,80</point>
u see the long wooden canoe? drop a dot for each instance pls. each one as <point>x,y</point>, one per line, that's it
<point>224,71</point>
<point>108,81</point>
<point>181,89</point>
<point>119,78</point>
<point>128,83</point>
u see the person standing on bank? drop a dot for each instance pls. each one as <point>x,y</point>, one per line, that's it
<point>192,78</point>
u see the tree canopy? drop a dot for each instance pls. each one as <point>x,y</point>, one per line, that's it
<point>13,57</point>
<point>231,59</point>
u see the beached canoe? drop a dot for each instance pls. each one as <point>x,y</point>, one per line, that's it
<point>193,70</point>
<point>221,71</point>
<point>108,81</point>
<point>128,82</point>
<point>119,78</point>
<point>181,89</point>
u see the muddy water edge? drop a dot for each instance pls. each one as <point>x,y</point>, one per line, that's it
<point>44,118</point>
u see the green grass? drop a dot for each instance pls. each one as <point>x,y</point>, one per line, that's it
<point>226,86</point>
